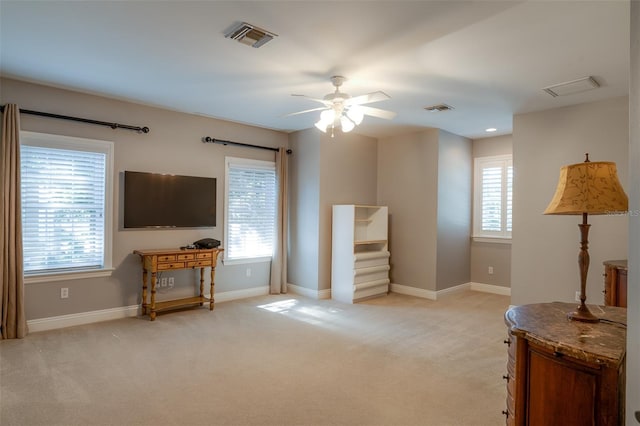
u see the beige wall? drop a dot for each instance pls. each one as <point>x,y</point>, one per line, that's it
<point>494,255</point>
<point>545,248</point>
<point>172,146</point>
<point>324,171</point>
<point>496,145</point>
<point>408,185</point>
<point>348,176</point>
<point>633,314</point>
<point>304,208</point>
<point>454,197</point>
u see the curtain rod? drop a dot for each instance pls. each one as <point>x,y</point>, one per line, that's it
<point>82,120</point>
<point>208,139</point>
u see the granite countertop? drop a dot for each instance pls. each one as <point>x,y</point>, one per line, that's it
<point>547,325</point>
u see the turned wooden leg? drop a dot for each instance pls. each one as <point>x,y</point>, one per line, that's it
<point>213,272</point>
<point>144,291</point>
<point>201,285</point>
<point>152,312</point>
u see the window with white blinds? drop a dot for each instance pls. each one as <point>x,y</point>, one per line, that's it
<point>251,196</point>
<point>493,196</point>
<point>66,203</point>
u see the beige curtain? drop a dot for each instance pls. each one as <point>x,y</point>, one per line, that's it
<point>14,323</point>
<point>279,260</point>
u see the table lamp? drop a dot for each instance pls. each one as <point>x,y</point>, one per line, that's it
<point>583,189</point>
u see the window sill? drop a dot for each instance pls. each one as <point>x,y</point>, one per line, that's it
<point>66,276</point>
<point>246,260</point>
<point>492,240</point>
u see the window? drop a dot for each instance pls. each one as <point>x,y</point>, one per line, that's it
<point>493,185</point>
<point>66,204</point>
<point>251,196</point>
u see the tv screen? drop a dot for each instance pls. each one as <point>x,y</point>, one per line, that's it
<point>154,200</point>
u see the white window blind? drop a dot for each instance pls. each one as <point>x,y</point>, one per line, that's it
<point>65,201</point>
<point>493,196</point>
<point>250,209</point>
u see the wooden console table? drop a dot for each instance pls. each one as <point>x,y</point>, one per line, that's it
<point>154,261</point>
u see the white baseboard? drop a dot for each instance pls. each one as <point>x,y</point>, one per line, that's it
<point>413,291</point>
<point>434,295</point>
<point>226,296</point>
<point>307,292</point>
<point>489,288</point>
<point>81,318</point>
<point>454,289</point>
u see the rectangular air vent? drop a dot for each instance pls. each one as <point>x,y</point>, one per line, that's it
<point>249,34</point>
<point>571,87</point>
<point>439,108</point>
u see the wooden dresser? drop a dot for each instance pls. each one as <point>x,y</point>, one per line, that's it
<point>563,372</point>
<point>154,261</point>
<point>615,283</point>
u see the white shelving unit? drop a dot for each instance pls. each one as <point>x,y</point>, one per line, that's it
<point>360,252</point>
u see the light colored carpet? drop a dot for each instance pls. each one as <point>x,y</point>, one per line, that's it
<point>272,360</point>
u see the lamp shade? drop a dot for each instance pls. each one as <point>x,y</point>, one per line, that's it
<point>589,187</point>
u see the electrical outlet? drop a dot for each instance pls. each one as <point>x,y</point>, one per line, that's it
<point>171,282</point>
<point>248,272</point>
<point>64,293</point>
<point>577,296</point>
<point>490,270</point>
<point>163,282</point>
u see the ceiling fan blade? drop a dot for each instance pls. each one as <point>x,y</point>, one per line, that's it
<point>368,98</point>
<point>304,112</point>
<point>322,101</point>
<point>377,112</point>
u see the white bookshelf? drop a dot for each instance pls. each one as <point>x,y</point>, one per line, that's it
<point>360,252</point>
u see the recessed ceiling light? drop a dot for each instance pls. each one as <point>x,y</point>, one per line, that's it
<point>491,129</point>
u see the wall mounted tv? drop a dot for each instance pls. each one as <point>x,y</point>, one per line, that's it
<point>154,200</point>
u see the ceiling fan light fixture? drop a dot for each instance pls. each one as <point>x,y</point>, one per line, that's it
<point>341,111</point>
<point>327,118</point>
<point>355,114</point>
<point>322,126</point>
<point>346,124</point>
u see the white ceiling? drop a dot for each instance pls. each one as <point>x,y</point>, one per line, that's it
<point>487,59</point>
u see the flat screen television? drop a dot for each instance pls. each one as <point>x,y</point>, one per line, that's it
<point>155,200</point>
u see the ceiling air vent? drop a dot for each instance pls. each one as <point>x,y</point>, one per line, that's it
<point>249,34</point>
<point>571,87</point>
<point>439,108</point>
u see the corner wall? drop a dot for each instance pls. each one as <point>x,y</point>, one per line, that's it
<point>455,178</point>
<point>304,209</point>
<point>408,185</point>
<point>324,171</point>
<point>425,180</point>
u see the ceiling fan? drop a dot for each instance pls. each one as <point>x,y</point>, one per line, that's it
<point>341,111</point>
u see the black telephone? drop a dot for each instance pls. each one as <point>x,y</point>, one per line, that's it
<point>206,243</point>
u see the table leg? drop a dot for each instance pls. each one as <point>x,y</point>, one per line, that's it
<point>211,300</point>
<point>144,291</point>
<point>152,312</point>
<point>201,285</point>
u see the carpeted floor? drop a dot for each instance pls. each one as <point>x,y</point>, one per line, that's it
<point>272,360</point>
